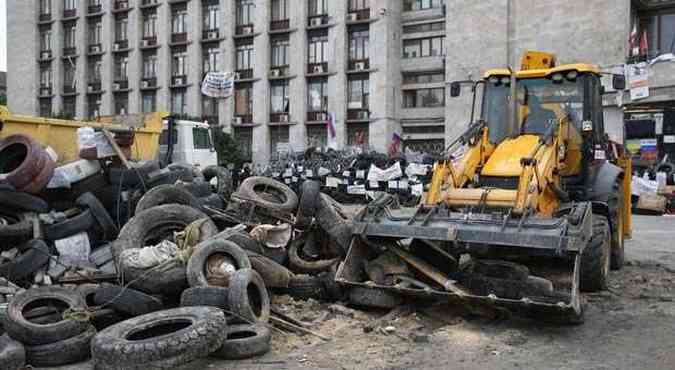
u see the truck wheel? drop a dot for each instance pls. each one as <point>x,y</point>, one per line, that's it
<point>615,204</point>
<point>595,258</point>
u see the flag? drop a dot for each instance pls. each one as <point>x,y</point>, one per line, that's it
<point>218,84</point>
<point>632,40</point>
<point>395,146</point>
<point>331,125</point>
<point>644,44</point>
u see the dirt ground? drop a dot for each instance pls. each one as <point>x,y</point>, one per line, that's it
<point>631,326</point>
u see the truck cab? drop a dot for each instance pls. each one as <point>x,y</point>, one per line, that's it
<point>191,142</point>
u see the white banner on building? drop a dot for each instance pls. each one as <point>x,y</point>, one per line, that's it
<point>218,84</point>
<point>638,81</point>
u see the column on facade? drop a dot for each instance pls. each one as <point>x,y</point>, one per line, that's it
<point>227,25</point>
<point>164,58</point>
<point>194,57</point>
<point>297,58</point>
<point>57,53</point>
<point>107,39</point>
<point>261,105</point>
<point>338,54</point>
<point>134,63</point>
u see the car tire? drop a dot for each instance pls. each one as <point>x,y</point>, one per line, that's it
<point>373,297</point>
<point>285,198</point>
<point>308,201</point>
<point>306,287</point>
<point>205,296</point>
<point>224,177</point>
<point>166,194</point>
<point>300,265</point>
<point>244,341</point>
<point>71,226</point>
<point>12,354</point>
<point>34,255</point>
<point>247,297</point>
<point>595,258</point>
<point>196,274</point>
<point>65,352</point>
<point>126,301</point>
<point>100,214</point>
<point>22,201</point>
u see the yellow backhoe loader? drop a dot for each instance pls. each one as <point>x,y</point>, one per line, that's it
<point>530,205</point>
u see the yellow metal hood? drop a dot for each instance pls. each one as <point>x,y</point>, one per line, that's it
<point>505,160</point>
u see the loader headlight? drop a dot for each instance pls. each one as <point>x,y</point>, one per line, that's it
<point>558,77</point>
<point>572,75</point>
<point>506,81</point>
<point>562,151</point>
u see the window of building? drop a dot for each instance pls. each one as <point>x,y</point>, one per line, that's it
<point>179,64</point>
<point>359,92</point>
<point>244,137</point>
<point>95,68</point>
<point>424,98</point>
<point>279,140</point>
<point>94,2</point>
<point>279,10</point>
<point>69,73</point>
<point>179,20</point>
<point>357,135</point>
<point>150,66</point>
<point>358,44</point>
<point>46,107</point>
<point>424,27</point>
<point>178,101</point>
<point>46,40</point>
<point>69,36</point>
<point>245,57</point>
<point>95,33</point>
<point>423,78</point>
<point>355,5</point>
<point>245,12</point>
<point>210,109</point>
<point>243,99</point>
<point>318,47</point>
<point>279,55</point>
<point>211,60</point>
<point>149,101</point>
<point>69,107</point>
<point>45,77</point>
<point>121,68</point>
<point>317,136</point>
<point>409,5</point>
<point>69,4</point>
<point>317,95</point>
<point>45,9</point>
<point>317,7</point>
<point>121,28</point>
<point>427,47</point>
<point>121,103</point>
<point>149,25</point>
<point>660,28</point>
<point>211,17</point>
<point>279,102</point>
<point>93,106</point>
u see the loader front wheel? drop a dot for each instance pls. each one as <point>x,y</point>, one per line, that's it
<point>595,258</point>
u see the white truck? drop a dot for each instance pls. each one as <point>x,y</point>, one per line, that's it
<point>187,142</point>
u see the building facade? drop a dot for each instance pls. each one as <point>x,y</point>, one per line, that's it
<point>373,68</point>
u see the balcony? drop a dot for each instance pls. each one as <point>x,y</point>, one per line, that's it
<point>148,3</point>
<point>358,114</point>
<point>46,90</point>
<point>149,83</point>
<point>283,24</point>
<point>281,118</point>
<point>69,89</point>
<point>179,38</point>
<point>244,30</point>
<point>69,13</point>
<point>211,35</point>
<point>178,80</point>
<point>95,49</point>
<point>95,9</point>
<point>121,45</point>
<point>244,74</point>
<point>94,87</point>
<point>359,65</point>
<point>243,119</point>
<point>317,68</point>
<point>149,41</point>
<point>121,5</point>
<point>69,51</point>
<point>45,17</point>
<point>317,116</point>
<point>358,15</point>
<point>279,72</point>
<point>317,20</point>
<point>45,55</point>
<point>211,119</point>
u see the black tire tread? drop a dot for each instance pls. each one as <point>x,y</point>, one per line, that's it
<point>591,277</point>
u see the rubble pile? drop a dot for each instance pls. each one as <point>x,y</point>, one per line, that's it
<point>137,265</point>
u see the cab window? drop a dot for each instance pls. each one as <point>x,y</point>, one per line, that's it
<point>201,138</point>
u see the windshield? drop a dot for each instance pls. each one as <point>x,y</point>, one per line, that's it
<point>541,102</point>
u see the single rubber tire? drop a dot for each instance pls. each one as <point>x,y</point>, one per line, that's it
<point>12,354</point>
<point>102,217</point>
<point>205,296</point>
<point>250,188</point>
<point>166,194</point>
<point>595,258</point>
<point>300,265</point>
<point>224,177</point>
<point>126,300</point>
<point>28,333</point>
<point>308,202</point>
<point>616,208</point>
<point>196,274</point>
<point>71,226</point>
<point>306,287</point>
<point>373,297</point>
<point>198,188</point>
<point>273,274</point>
<point>68,351</point>
<point>333,220</point>
<point>181,335</point>
<point>34,255</point>
<point>278,255</point>
<point>13,232</point>
<point>248,298</point>
<point>244,341</point>
<point>22,201</point>
<point>167,283</point>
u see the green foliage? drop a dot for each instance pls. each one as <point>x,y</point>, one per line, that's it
<point>3,100</point>
<point>227,148</point>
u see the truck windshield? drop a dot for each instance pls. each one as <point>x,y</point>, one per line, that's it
<point>541,101</point>
<point>201,138</point>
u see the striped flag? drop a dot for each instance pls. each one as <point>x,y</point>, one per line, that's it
<point>395,146</point>
<point>331,125</point>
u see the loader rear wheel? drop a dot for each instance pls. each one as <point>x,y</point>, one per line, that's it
<point>595,259</point>
<point>616,212</point>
